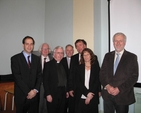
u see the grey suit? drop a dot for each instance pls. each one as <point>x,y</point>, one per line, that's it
<point>125,77</point>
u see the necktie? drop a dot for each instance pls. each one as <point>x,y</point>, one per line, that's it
<point>68,60</point>
<point>116,62</point>
<point>45,60</point>
<point>28,61</point>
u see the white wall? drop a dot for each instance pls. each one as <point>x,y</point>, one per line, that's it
<point>19,18</point>
<point>59,22</point>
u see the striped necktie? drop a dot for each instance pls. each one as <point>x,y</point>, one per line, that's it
<point>28,61</point>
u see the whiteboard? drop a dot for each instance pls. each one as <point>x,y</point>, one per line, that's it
<point>125,16</point>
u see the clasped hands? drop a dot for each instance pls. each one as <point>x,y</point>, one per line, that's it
<point>90,95</point>
<point>112,90</point>
<point>31,94</point>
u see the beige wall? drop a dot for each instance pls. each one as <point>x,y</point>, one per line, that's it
<point>83,21</point>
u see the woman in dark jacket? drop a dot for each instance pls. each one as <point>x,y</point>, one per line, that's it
<point>88,83</point>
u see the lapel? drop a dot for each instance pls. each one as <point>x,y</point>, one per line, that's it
<point>83,73</point>
<point>111,62</point>
<point>66,62</point>
<point>32,60</point>
<point>91,75</point>
<point>122,60</point>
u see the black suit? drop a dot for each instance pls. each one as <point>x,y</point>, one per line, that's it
<point>74,63</point>
<point>42,100</point>
<point>125,77</point>
<point>94,84</point>
<point>67,69</point>
<point>26,79</point>
<point>72,81</point>
<point>52,87</point>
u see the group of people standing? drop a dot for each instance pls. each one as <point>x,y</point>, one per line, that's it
<point>74,83</point>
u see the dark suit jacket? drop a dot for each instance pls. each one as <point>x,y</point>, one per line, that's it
<point>94,82</point>
<point>25,78</point>
<point>72,78</point>
<point>50,58</point>
<point>50,78</point>
<point>125,76</point>
<point>67,69</point>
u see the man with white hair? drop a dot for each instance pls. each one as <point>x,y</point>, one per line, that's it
<point>45,57</point>
<point>118,74</point>
<point>55,82</point>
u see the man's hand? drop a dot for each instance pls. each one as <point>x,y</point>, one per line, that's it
<point>49,98</point>
<point>71,93</point>
<point>112,90</point>
<point>67,95</point>
<point>116,91</point>
<point>31,94</point>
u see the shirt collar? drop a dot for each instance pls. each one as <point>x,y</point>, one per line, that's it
<point>25,54</point>
<point>120,53</point>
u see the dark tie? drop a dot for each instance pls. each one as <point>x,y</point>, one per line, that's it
<point>28,59</point>
<point>45,60</point>
<point>116,62</point>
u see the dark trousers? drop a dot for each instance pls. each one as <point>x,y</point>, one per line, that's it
<point>87,108</point>
<point>29,106</point>
<point>66,105</point>
<point>58,101</point>
<point>111,106</point>
<point>42,101</point>
<point>71,104</point>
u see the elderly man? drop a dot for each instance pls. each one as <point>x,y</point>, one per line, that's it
<point>45,57</point>
<point>55,82</point>
<point>69,50</point>
<point>118,74</point>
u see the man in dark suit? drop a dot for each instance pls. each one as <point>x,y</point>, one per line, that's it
<point>80,44</point>
<point>55,82</point>
<point>66,61</point>
<point>26,68</point>
<point>45,57</point>
<point>118,92</point>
